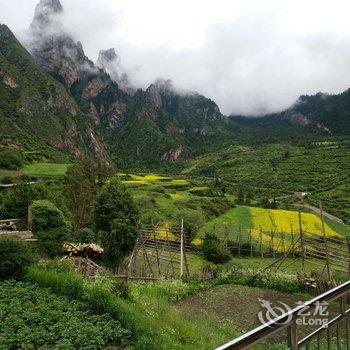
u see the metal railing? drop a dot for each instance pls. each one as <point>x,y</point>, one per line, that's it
<point>321,338</point>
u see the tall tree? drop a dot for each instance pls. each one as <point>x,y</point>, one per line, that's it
<point>117,219</point>
<point>82,182</point>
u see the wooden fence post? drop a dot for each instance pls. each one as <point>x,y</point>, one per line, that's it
<point>325,243</point>
<point>272,247</point>
<point>182,249</point>
<point>261,252</point>
<point>302,244</point>
<point>251,242</point>
<point>30,217</point>
<point>239,241</point>
<point>348,243</point>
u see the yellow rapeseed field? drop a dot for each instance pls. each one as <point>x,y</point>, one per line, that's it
<point>151,179</point>
<point>287,221</point>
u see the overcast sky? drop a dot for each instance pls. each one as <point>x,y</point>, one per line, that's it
<point>251,57</point>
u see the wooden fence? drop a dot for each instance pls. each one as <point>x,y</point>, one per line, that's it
<point>333,253</point>
<point>159,253</point>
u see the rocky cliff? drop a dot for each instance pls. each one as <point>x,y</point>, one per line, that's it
<point>141,127</point>
<point>36,112</point>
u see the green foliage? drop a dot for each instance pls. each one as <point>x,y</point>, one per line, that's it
<point>252,278</point>
<point>57,265</point>
<point>116,218</point>
<point>81,184</point>
<point>50,227</point>
<point>6,180</point>
<point>246,168</point>
<point>15,257</point>
<point>10,159</point>
<point>214,250</point>
<point>15,202</point>
<point>85,235</point>
<point>153,321</point>
<point>33,318</point>
<point>66,283</point>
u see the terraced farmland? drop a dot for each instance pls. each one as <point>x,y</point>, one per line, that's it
<point>165,200</point>
<point>267,221</point>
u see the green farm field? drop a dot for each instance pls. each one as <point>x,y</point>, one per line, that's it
<point>278,170</point>
<point>45,169</point>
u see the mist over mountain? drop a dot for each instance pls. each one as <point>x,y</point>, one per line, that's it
<point>100,112</point>
<point>126,126</point>
<point>251,60</point>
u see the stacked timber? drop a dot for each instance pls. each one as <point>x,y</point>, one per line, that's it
<point>92,251</point>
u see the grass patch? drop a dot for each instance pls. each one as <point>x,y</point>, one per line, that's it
<point>45,169</point>
<point>238,217</point>
<point>154,322</point>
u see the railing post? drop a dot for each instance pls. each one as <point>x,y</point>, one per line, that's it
<point>343,304</point>
<point>292,336</point>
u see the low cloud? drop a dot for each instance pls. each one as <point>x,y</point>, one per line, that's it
<point>258,62</point>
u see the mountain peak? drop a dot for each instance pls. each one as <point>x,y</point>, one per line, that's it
<point>6,33</point>
<point>110,62</point>
<point>45,13</point>
<point>107,56</point>
<point>6,38</point>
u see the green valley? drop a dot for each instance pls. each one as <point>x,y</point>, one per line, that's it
<point>139,214</point>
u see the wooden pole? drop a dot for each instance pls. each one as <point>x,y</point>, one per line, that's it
<point>325,242</point>
<point>157,255</point>
<point>239,241</point>
<point>302,244</point>
<point>182,249</point>
<point>261,252</point>
<point>251,242</point>
<point>30,217</point>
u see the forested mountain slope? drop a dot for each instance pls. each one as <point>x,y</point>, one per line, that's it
<point>63,100</point>
<point>36,112</point>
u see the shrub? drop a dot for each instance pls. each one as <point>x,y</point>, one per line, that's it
<point>57,265</point>
<point>15,201</point>
<point>244,248</point>
<point>15,257</point>
<point>193,219</point>
<point>10,159</point>
<point>214,250</point>
<point>6,180</point>
<point>50,227</point>
<point>253,278</point>
<point>85,235</point>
